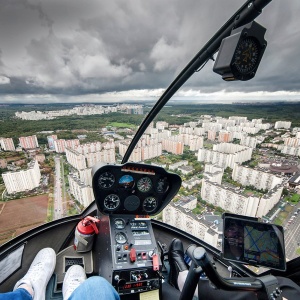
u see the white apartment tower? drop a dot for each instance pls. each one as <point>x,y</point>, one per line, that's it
<point>259,179</point>
<point>23,180</point>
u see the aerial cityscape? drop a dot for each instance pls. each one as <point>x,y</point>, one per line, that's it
<point>227,164</point>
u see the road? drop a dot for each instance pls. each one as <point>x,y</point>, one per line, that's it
<point>292,235</point>
<point>58,194</point>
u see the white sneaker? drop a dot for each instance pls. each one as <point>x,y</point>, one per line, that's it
<point>73,278</point>
<point>39,273</point>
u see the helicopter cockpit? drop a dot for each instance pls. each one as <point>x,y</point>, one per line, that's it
<point>116,236</point>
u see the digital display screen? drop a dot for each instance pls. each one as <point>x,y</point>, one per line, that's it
<point>134,285</point>
<point>254,243</point>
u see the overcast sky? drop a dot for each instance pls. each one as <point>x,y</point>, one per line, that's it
<point>116,50</point>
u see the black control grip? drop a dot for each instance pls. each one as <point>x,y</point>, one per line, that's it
<point>199,258</point>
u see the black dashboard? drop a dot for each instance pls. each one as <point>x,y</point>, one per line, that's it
<point>133,188</point>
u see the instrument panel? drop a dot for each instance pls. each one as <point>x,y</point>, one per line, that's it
<point>133,188</point>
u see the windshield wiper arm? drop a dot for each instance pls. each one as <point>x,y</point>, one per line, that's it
<point>247,13</point>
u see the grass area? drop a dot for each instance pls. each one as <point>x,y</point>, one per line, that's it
<point>50,210</point>
<point>121,125</point>
<point>293,198</point>
<point>298,251</point>
<point>278,221</point>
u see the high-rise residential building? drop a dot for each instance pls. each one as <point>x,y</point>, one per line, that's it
<point>29,142</point>
<point>259,179</point>
<point>7,144</point>
<point>248,141</point>
<point>81,192</point>
<point>173,146</point>
<point>211,135</point>
<point>225,154</point>
<point>80,157</point>
<point>238,119</point>
<point>225,136</point>
<point>283,124</point>
<point>60,145</point>
<point>23,180</point>
<point>236,202</point>
<point>161,125</point>
<point>180,216</point>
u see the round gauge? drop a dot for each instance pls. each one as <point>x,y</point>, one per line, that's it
<point>150,204</point>
<point>246,56</point>
<point>111,202</point>
<point>119,224</point>
<point>121,238</point>
<point>144,185</point>
<point>162,185</point>
<point>106,180</point>
<point>126,182</point>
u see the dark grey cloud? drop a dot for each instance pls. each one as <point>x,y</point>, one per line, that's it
<point>94,47</point>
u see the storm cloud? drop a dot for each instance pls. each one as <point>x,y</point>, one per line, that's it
<point>133,49</point>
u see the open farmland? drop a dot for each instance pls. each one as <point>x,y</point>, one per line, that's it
<point>18,216</point>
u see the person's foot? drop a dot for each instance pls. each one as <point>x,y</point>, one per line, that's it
<point>177,263</point>
<point>37,277</point>
<point>73,278</point>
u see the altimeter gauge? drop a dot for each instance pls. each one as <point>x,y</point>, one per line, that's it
<point>111,202</point>
<point>106,180</point>
<point>149,204</point>
<point>144,185</point>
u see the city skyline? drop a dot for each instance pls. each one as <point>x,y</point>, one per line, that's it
<point>114,52</point>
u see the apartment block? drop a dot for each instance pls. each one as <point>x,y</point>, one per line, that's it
<point>28,142</point>
<point>60,145</point>
<point>161,125</point>
<point>22,180</point>
<point>225,136</point>
<point>173,146</point>
<point>248,141</point>
<point>82,193</point>
<point>86,160</point>
<point>213,173</point>
<point>283,124</point>
<point>295,151</point>
<point>238,119</point>
<point>182,218</point>
<point>225,154</point>
<point>7,144</point>
<point>189,184</point>
<point>237,203</point>
<point>258,179</point>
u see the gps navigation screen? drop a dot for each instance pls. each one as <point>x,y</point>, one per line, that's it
<point>254,243</point>
<point>261,247</point>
